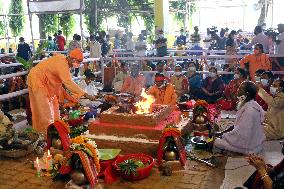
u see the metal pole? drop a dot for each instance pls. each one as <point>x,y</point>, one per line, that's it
<point>31,26</point>
<point>81,27</point>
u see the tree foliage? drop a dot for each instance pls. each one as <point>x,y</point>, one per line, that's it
<point>124,10</point>
<point>16,22</point>
<point>49,24</point>
<point>67,23</point>
<point>2,23</point>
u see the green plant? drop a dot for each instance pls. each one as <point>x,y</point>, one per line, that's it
<point>16,20</point>
<point>129,167</point>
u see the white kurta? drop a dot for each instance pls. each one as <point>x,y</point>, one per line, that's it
<point>248,134</point>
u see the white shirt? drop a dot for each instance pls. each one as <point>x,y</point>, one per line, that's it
<point>95,49</point>
<point>89,89</point>
<point>262,39</point>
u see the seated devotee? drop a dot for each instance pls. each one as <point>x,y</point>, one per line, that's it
<point>257,75</point>
<point>194,80</point>
<point>227,77</point>
<point>161,68</point>
<point>161,44</point>
<point>179,81</point>
<point>232,88</point>
<point>88,85</point>
<point>163,91</point>
<point>120,77</point>
<point>265,176</point>
<point>212,87</point>
<point>255,61</point>
<point>247,135</point>
<point>134,83</point>
<point>266,80</point>
<point>273,125</point>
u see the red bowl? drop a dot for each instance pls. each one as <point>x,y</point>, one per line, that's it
<point>142,172</point>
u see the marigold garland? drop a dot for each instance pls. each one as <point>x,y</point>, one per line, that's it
<point>95,156</point>
<point>84,141</point>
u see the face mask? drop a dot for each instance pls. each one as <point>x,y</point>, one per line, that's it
<point>192,69</point>
<point>273,90</point>
<point>257,79</point>
<point>161,35</point>
<point>212,74</point>
<point>236,76</point>
<point>178,73</point>
<point>241,100</point>
<point>264,82</point>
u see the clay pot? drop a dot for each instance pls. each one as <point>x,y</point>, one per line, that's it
<point>170,155</point>
<point>78,177</point>
<point>200,119</point>
<point>57,144</point>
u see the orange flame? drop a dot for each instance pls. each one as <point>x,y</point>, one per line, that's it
<point>144,105</point>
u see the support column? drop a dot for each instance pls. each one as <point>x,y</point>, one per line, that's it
<point>162,14</point>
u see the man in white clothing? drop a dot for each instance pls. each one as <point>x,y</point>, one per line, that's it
<point>247,134</point>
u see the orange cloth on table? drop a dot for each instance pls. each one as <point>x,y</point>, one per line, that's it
<point>45,84</point>
<point>166,96</point>
<point>255,63</point>
<point>133,85</point>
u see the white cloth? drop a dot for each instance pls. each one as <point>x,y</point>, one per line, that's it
<point>89,89</point>
<point>95,49</point>
<point>248,134</point>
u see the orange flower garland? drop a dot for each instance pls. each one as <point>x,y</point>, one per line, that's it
<point>95,156</point>
<point>84,141</point>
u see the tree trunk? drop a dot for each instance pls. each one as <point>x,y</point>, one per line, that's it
<point>263,13</point>
<point>42,34</point>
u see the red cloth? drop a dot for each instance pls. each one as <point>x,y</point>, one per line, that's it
<point>60,42</point>
<point>181,149</point>
<point>63,134</point>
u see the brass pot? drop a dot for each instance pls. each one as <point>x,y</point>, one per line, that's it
<point>57,144</point>
<point>199,119</point>
<point>78,177</point>
<point>170,155</point>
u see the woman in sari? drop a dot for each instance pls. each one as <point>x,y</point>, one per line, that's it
<point>232,89</point>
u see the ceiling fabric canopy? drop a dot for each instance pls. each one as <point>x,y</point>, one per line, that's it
<point>223,3</point>
<point>56,6</point>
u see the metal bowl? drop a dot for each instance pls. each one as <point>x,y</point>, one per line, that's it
<point>199,142</point>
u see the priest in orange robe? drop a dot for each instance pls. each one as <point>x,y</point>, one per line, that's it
<point>163,91</point>
<point>45,83</point>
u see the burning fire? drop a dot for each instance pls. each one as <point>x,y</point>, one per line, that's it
<point>144,105</point>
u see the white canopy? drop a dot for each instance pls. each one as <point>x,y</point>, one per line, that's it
<point>56,6</point>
